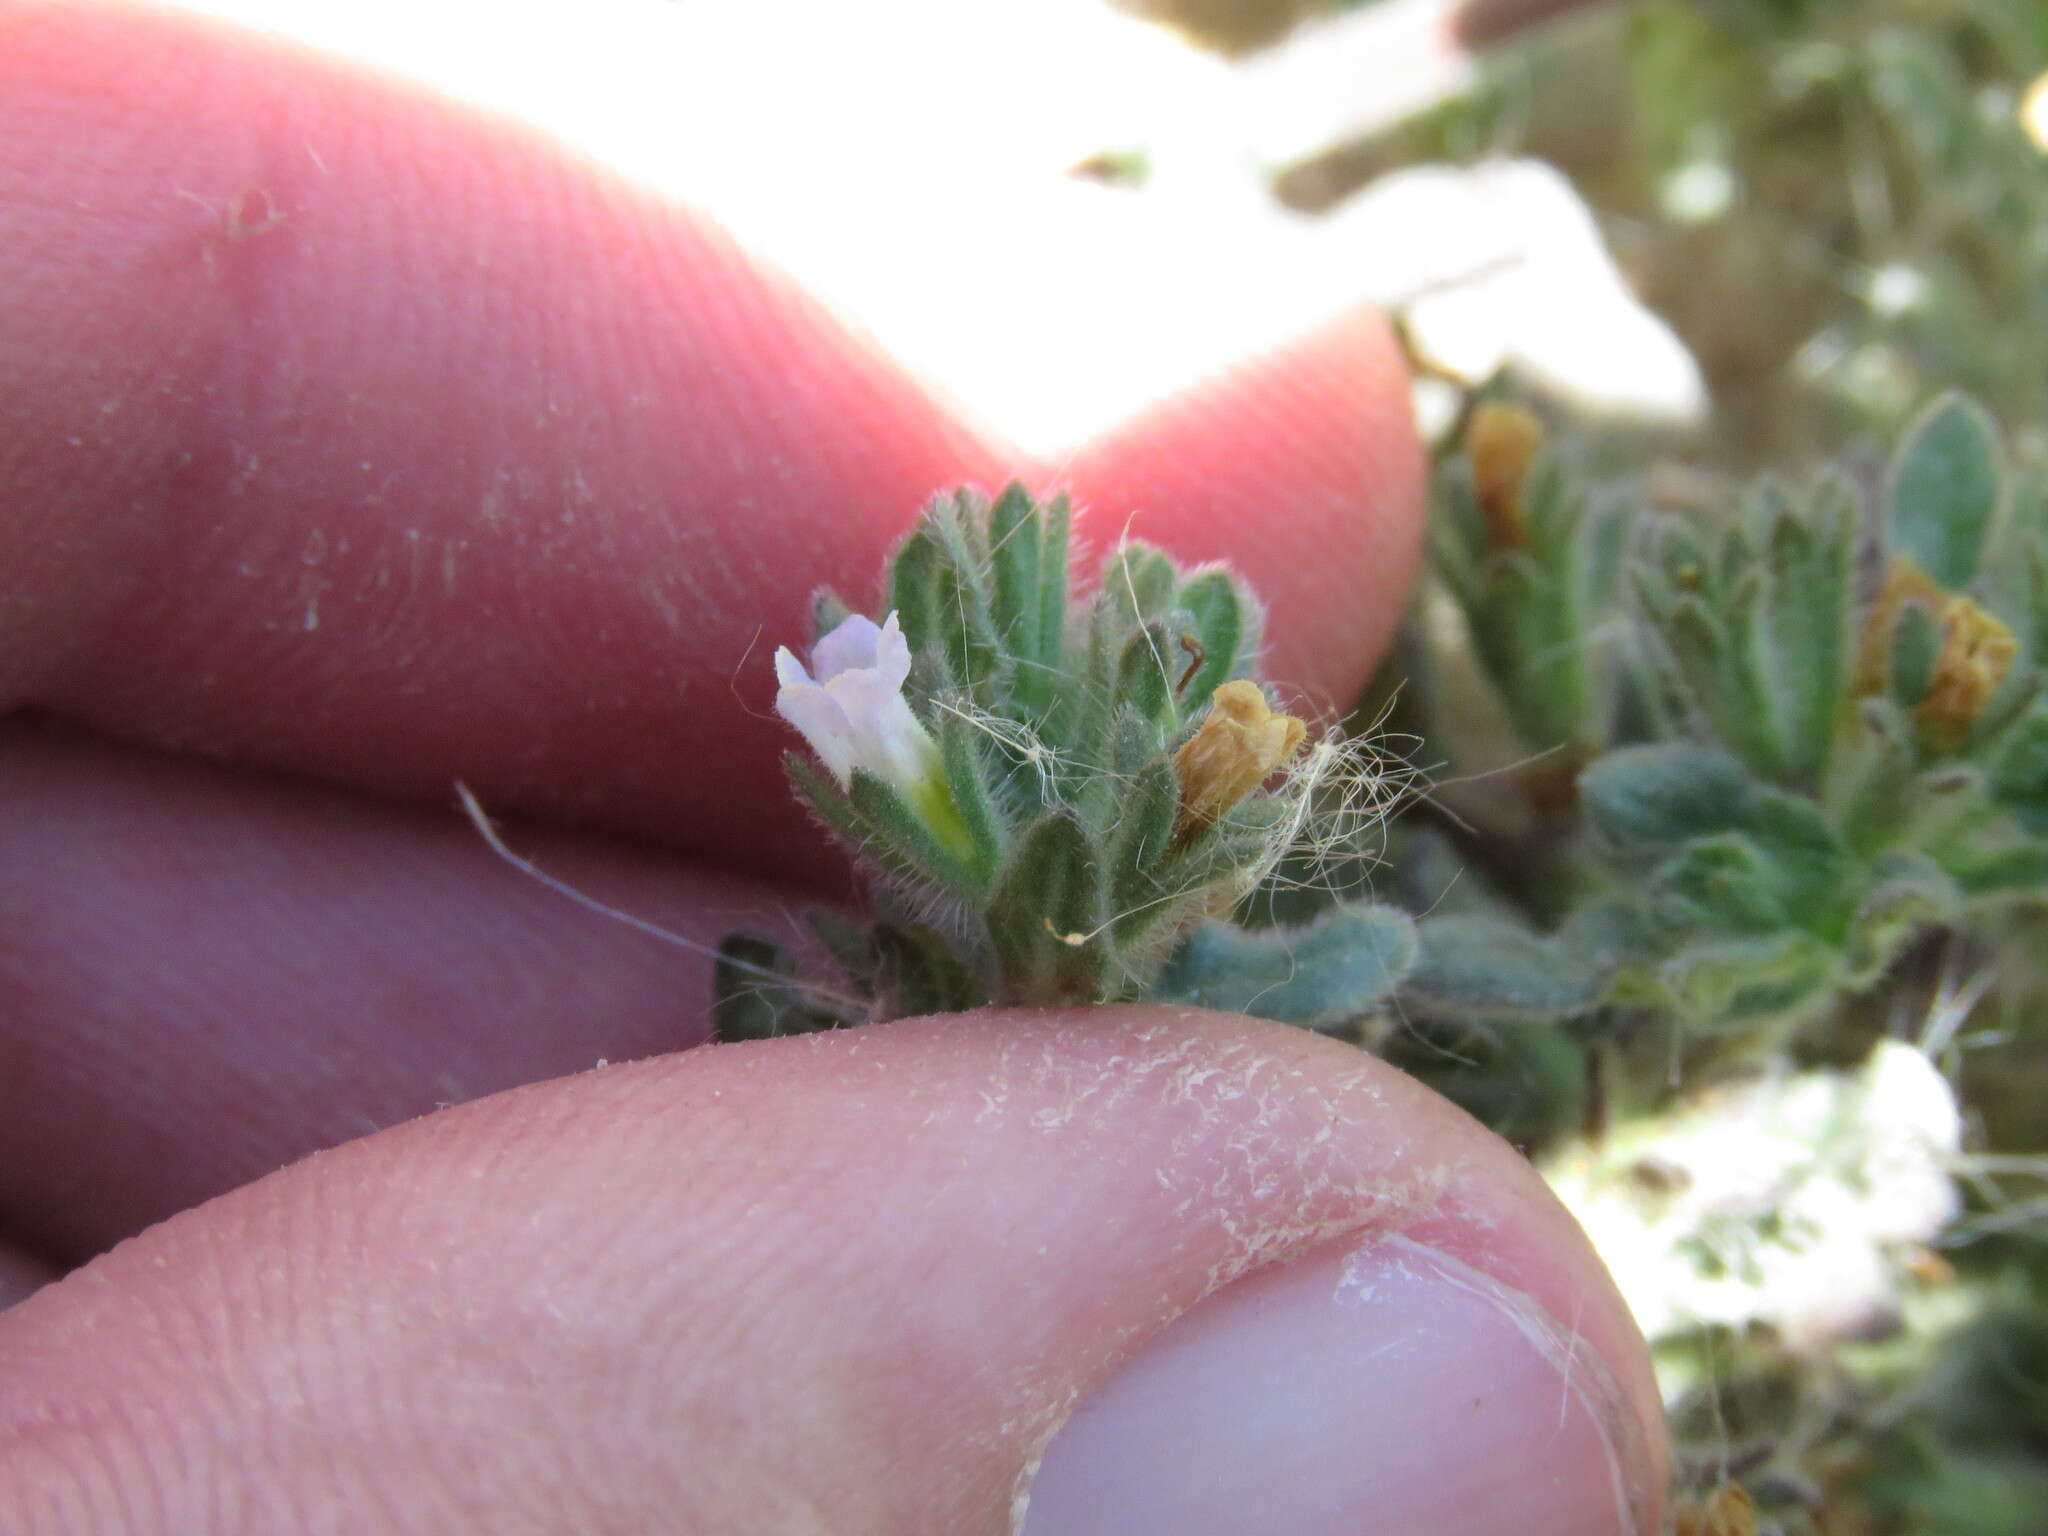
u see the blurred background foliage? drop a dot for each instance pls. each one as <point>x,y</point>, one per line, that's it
<point>1841,206</point>
<point>1683,723</point>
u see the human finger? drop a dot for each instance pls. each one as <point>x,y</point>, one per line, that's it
<point>205,975</point>
<point>360,434</point>
<point>861,1282</point>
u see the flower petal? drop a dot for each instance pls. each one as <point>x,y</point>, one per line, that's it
<point>824,724</point>
<point>898,748</point>
<point>850,647</point>
<point>854,714</point>
<point>892,652</point>
<point>790,672</point>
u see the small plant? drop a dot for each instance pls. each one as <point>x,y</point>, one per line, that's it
<point>1758,755</point>
<point>1795,736</point>
<point>1764,751</point>
<point>1056,799</point>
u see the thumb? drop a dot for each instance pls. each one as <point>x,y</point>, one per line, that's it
<point>1130,1270</point>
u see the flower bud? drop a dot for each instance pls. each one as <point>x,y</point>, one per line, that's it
<point>856,719</point>
<point>1502,443</point>
<point>853,712</point>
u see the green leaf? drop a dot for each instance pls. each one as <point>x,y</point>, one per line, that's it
<point>1146,673</point>
<point>1681,550</point>
<point>1606,931</point>
<point>967,775</point>
<point>1871,787</point>
<point>1052,597</point>
<point>1724,881</point>
<point>1908,891</point>
<point>1226,626</point>
<point>1133,740</point>
<point>1126,744</point>
<point>1141,885</point>
<point>963,617</point>
<point>1522,600</point>
<point>1658,795</point>
<point>914,595</point>
<point>1016,533</point>
<point>2014,868</point>
<point>1086,706</point>
<point>1812,864</point>
<point>1740,699</point>
<point>1482,968</point>
<point>1805,625</point>
<point>1735,559</point>
<point>1948,805</point>
<point>1555,508</point>
<point>1137,584</point>
<point>1944,489</point>
<point>1045,917</point>
<point>1322,973</point>
<point>1732,981</point>
<point>1655,594</point>
<point>1604,540</point>
<point>1916,642</point>
<point>1699,643</point>
<point>1455,540</point>
<point>822,793</point>
<point>1459,522</point>
<point>2020,771</point>
<point>1241,840</point>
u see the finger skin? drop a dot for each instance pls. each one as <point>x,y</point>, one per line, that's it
<point>608,455</point>
<point>848,1282</point>
<point>206,975</point>
<point>354,433</point>
<point>379,441</point>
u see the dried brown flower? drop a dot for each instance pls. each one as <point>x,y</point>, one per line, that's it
<point>1976,652</point>
<point>1241,742</point>
<point>1502,442</point>
<point>1728,1511</point>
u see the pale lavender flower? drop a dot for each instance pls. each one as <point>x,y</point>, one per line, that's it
<point>853,712</point>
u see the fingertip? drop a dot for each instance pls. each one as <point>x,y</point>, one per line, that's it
<point>372,437</point>
<point>206,975</point>
<point>1302,467</point>
<point>363,434</point>
<point>913,1246</point>
<point>1368,1386</point>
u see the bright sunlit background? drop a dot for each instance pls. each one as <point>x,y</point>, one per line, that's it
<point>920,165</point>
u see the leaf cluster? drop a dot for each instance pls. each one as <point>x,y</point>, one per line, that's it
<point>1080,877</point>
<point>1806,729</point>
